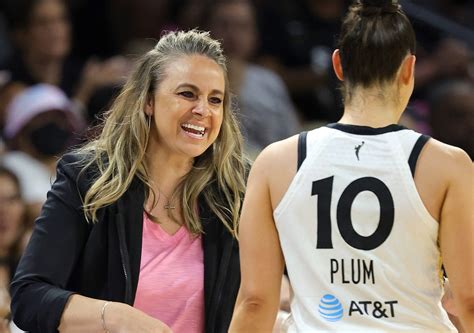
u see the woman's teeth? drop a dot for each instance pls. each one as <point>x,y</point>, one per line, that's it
<point>194,129</point>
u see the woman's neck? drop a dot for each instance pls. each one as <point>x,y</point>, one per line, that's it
<point>371,109</point>
<point>167,171</point>
<point>43,69</point>
<point>165,175</point>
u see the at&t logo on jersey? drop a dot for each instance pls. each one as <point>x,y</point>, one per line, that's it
<point>330,308</point>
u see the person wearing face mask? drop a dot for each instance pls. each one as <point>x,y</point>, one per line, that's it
<point>39,126</point>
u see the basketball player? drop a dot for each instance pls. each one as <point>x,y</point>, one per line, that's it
<point>363,210</point>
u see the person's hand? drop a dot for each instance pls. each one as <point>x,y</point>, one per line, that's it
<point>97,74</point>
<point>122,318</point>
<point>111,71</point>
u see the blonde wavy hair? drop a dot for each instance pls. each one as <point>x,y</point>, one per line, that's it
<point>118,153</point>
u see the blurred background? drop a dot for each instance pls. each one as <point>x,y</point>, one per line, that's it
<point>62,63</point>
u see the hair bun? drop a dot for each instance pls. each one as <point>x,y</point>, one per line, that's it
<point>378,7</point>
<point>376,3</point>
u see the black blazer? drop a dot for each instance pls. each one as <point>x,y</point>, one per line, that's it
<point>67,255</point>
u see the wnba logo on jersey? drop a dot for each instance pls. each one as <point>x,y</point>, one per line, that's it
<point>330,308</point>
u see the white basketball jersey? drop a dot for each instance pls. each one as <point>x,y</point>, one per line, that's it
<point>360,247</point>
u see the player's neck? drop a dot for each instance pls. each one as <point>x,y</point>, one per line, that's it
<point>371,110</point>
<point>368,118</point>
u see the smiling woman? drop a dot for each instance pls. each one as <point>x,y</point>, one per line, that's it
<point>142,219</point>
<point>187,108</point>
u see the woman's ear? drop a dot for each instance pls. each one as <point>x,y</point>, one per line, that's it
<point>336,65</point>
<point>407,70</point>
<point>149,106</point>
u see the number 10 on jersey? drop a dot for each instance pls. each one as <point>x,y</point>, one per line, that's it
<point>323,188</point>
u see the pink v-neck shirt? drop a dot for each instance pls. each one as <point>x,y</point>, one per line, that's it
<point>171,283</point>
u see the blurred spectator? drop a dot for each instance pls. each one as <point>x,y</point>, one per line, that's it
<point>449,59</point>
<point>189,14</point>
<point>5,46</point>
<point>440,56</point>
<point>460,11</point>
<point>443,62</point>
<point>93,33</point>
<point>265,108</point>
<point>42,34</point>
<point>452,114</point>
<point>39,127</point>
<point>298,38</point>
<point>139,19</point>
<point>12,221</point>
<point>12,228</point>
<point>7,92</point>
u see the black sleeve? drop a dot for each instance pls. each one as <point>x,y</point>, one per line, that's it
<point>38,289</point>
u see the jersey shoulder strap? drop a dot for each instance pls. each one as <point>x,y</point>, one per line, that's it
<point>415,152</point>
<point>301,148</point>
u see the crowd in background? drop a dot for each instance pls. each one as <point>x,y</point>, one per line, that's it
<point>62,62</point>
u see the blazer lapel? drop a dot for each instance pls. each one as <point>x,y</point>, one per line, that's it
<point>209,241</point>
<point>130,229</point>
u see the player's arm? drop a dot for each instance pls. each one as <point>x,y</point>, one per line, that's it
<point>261,259</point>
<point>457,234</point>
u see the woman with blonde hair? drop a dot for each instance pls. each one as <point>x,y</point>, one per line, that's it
<point>138,231</point>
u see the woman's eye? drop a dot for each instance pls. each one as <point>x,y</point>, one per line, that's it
<point>187,94</point>
<point>215,100</point>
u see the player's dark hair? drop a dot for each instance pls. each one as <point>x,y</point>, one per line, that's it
<point>376,36</point>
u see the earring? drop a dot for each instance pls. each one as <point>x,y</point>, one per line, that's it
<point>148,120</point>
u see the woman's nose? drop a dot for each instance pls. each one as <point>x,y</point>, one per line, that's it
<point>201,109</point>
